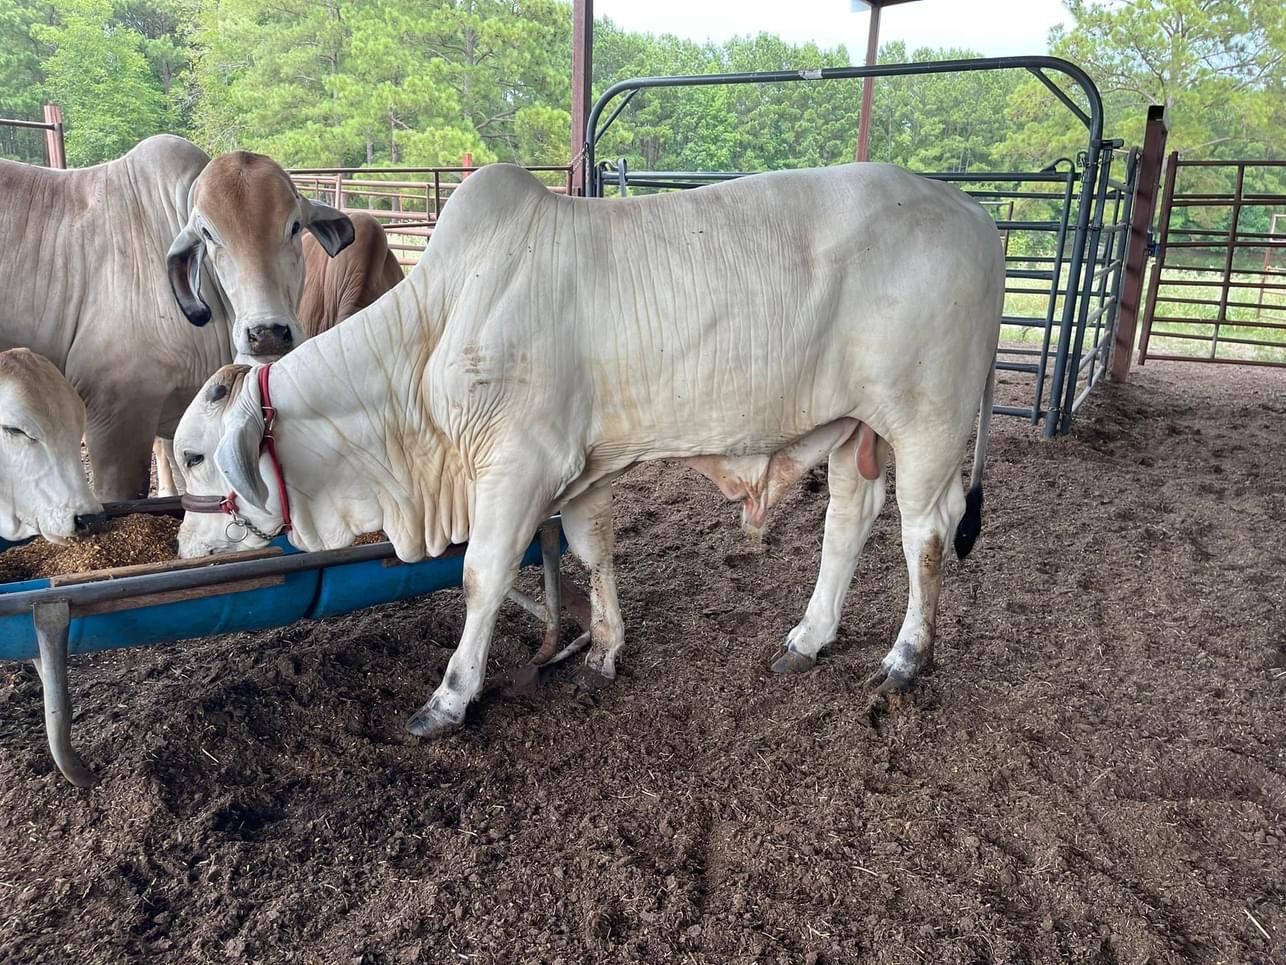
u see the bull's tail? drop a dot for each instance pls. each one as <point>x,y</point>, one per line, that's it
<point>971,523</point>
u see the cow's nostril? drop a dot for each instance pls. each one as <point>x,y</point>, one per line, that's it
<point>271,335</point>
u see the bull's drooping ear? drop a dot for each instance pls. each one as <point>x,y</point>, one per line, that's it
<point>183,264</point>
<point>332,228</point>
<point>237,454</point>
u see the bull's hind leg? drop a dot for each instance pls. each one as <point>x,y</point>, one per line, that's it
<point>587,522</point>
<point>855,502</point>
<point>930,500</point>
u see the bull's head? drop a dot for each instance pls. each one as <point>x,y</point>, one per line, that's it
<point>246,218</point>
<point>199,450</point>
<point>43,490</point>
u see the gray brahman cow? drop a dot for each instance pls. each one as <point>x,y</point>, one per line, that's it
<point>543,344</point>
<point>43,490</point>
<point>97,264</point>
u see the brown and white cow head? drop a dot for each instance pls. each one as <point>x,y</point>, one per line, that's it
<point>245,218</point>
<point>43,489</point>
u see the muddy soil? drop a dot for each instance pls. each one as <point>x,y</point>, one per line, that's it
<point>1095,771</point>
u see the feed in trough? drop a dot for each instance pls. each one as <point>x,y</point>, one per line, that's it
<point>128,541</point>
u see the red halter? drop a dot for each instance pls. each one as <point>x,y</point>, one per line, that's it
<point>228,504</point>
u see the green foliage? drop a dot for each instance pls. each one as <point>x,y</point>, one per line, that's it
<point>99,74</point>
<point>374,82</point>
<point>1216,65</point>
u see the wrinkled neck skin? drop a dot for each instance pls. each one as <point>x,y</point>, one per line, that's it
<point>359,449</point>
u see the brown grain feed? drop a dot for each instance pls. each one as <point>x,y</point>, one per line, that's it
<point>130,540</point>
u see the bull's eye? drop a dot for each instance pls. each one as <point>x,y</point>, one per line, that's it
<point>294,229</point>
<point>206,231</point>
<point>191,459</point>
<point>15,432</point>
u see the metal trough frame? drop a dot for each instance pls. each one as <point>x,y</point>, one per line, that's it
<point>1074,277</point>
<point>53,608</point>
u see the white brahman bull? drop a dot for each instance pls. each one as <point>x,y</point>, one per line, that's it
<point>543,344</point>
<point>43,490</point>
<point>87,282</point>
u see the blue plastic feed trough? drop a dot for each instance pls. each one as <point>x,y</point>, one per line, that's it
<point>44,620</point>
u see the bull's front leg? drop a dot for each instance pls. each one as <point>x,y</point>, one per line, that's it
<point>506,515</point>
<point>587,523</point>
<point>119,435</point>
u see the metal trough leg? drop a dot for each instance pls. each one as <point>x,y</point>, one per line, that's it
<point>549,538</point>
<point>52,621</point>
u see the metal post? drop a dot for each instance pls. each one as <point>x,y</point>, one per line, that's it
<point>1054,419</point>
<point>868,86</point>
<point>1238,191</point>
<point>1145,198</point>
<point>1158,263</point>
<point>1071,357</point>
<point>55,147</point>
<point>53,620</point>
<point>582,66</point>
<point>1056,274</point>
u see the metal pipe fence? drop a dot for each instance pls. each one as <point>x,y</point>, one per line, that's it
<point>1215,294</point>
<point>1064,227</point>
<point>52,126</point>
<point>406,201</point>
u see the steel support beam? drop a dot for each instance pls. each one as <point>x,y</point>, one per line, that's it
<point>582,70</point>
<point>868,86</point>
<point>1136,257</point>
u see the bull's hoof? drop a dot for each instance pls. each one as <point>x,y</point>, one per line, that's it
<point>788,661</point>
<point>889,681</point>
<point>589,680</point>
<point>429,723</point>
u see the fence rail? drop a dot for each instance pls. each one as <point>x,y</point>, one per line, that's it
<point>406,201</point>
<point>1218,290</point>
<point>52,125</point>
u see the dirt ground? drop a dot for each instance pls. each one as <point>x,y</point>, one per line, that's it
<point>1095,771</point>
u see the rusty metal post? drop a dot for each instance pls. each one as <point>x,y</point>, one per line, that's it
<point>582,67</point>
<point>55,145</point>
<point>868,86</point>
<point>1163,229</point>
<point>1136,255</point>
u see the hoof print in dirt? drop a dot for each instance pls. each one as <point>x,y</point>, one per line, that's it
<point>883,705</point>
<point>525,682</point>
<point>788,661</point>
<point>589,680</point>
<point>428,723</point>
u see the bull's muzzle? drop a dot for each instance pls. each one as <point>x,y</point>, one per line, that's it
<point>90,523</point>
<point>270,340</point>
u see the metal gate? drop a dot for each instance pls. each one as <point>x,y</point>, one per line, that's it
<point>1218,286</point>
<point>1065,287</point>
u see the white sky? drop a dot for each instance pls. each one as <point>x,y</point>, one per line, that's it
<point>994,28</point>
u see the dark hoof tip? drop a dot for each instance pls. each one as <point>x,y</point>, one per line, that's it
<point>589,680</point>
<point>890,682</point>
<point>429,724</point>
<point>788,661</point>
